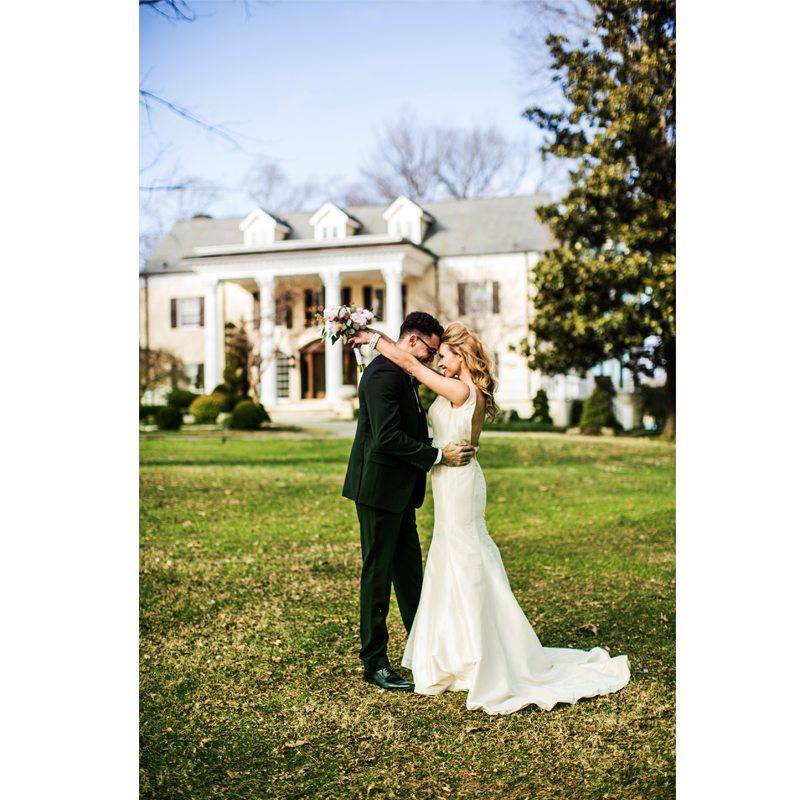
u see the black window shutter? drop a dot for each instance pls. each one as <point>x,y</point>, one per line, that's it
<point>173,313</point>
<point>495,297</point>
<point>201,376</point>
<point>289,310</point>
<point>462,299</point>
<point>378,304</point>
<point>368,297</point>
<point>257,310</point>
<point>404,295</point>
<point>202,311</point>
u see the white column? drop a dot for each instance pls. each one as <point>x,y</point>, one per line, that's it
<point>212,335</point>
<point>268,391</point>
<point>333,352</point>
<point>393,277</point>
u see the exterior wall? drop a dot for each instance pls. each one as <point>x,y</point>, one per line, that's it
<point>501,331</point>
<point>187,343</point>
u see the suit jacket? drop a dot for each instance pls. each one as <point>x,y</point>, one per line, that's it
<point>391,450</point>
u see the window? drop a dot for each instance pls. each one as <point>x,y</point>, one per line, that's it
<point>196,375</point>
<point>284,311</point>
<point>314,302</point>
<point>282,367</point>
<point>186,312</point>
<point>479,298</point>
<point>373,300</point>
<point>347,295</point>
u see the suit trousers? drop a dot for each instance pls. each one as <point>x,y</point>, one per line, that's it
<point>390,554</point>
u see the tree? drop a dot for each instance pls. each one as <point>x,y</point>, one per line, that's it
<point>404,162</point>
<point>541,408</point>
<point>428,163</point>
<point>159,368</point>
<point>238,354</point>
<point>607,290</point>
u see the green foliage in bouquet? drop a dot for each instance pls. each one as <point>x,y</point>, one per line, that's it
<point>247,416</point>
<point>205,409</point>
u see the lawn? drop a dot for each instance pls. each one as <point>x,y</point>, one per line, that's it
<point>250,681</point>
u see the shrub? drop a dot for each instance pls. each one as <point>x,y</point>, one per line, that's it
<point>247,416</point>
<point>598,411</point>
<point>147,413</point>
<point>541,408</point>
<point>205,408</point>
<point>181,398</point>
<point>169,418</point>
<point>227,401</point>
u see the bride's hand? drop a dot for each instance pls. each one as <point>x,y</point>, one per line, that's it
<point>362,337</point>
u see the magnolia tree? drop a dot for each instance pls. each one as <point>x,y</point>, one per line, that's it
<point>607,290</point>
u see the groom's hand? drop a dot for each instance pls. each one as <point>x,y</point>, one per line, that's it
<point>457,454</point>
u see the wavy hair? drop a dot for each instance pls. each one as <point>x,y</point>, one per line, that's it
<point>465,343</point>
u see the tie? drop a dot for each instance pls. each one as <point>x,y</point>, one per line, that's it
<point>414,384</point>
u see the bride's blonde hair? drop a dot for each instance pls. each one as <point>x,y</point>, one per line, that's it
<point>465,343</point>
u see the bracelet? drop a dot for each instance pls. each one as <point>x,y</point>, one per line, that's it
<point>373,342</point>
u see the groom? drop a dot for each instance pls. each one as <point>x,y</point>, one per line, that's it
<point>386,477</point>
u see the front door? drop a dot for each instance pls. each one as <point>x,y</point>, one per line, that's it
<point>312,370</point>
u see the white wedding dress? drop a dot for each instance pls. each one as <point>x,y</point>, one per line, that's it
<point>469,633</point>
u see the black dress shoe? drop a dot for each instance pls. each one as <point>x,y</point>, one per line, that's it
<point>387,678</point>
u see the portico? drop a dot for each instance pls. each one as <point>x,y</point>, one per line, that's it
<point>286,340</point>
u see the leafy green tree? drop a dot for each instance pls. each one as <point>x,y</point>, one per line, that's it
<point>607,289</point>
<point>238,352</point>
<point>541,408</point>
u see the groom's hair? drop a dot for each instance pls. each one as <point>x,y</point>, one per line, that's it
<point>421,323</point>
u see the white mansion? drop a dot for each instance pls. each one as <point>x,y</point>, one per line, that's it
<point>466,260</point>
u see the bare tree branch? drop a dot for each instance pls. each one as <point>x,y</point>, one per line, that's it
<point>148,97</point>
<point>404,162</point>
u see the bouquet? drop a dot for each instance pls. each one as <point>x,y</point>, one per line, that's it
<point>345,321</point>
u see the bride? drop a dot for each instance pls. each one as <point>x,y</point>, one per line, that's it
<point>469,633</point>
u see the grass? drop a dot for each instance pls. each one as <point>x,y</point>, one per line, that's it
<point>250,680</point>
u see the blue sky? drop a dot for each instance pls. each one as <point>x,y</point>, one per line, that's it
<point>308,84</point>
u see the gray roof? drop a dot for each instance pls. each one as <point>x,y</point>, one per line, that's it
<point>460,227</point>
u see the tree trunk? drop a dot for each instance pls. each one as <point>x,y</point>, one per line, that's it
<point>671,368</point>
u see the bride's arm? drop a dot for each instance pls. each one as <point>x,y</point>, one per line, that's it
<point>454,390</point>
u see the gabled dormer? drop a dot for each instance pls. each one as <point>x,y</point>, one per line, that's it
<point>404,218</point>
<point>332,222</point>
<point>261,228</point>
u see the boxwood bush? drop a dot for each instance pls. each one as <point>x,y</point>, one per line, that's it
<point>247,416</point>
<point>148,412</point>
<point>205,409</point>
<point>169,418</point>
<point>181,398</point>
<point>226,401</point>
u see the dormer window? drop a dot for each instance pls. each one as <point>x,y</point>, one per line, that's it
<point>406,220</point>
<point>332,222</point>
<point>260,228</point>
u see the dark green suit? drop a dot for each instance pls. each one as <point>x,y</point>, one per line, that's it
<point>386,477</point>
